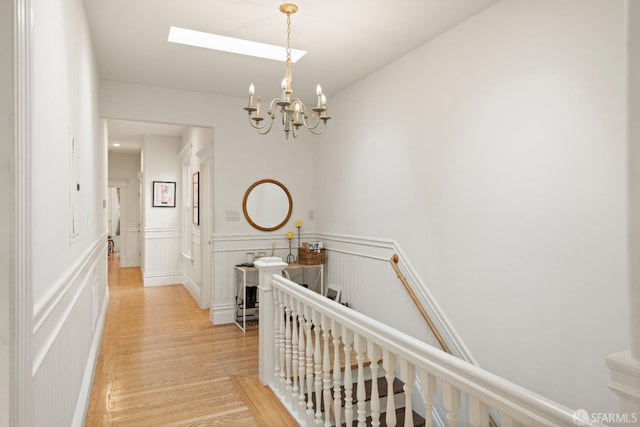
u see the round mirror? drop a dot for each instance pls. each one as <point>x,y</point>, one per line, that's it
<point>267,205</point>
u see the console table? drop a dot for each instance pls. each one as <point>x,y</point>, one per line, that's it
<point>246,289</point>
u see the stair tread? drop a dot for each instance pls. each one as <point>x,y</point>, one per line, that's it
<point>382,391</point>
<point>418,420</point>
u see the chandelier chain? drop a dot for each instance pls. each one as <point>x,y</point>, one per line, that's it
<point>288,36</point>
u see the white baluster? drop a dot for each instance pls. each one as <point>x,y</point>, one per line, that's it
<point>360,346</point>
<point>283,370</point>
<point>287,347</point>
<point>309,324</point>
<point>374,354</point>
<point>347,340</point>
<point>317,361</point>
<point>389,366</point>
<point>326,370</point>
<point>337,374</point>
<point>276,339</point>
<point>429,389</point>
<point>301,355</point>
<point>294,352</point>
<point>451,401</point>
<point>408,376</point>
<point>478,413</point>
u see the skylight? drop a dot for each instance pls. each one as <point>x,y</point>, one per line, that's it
<point>231,44</point>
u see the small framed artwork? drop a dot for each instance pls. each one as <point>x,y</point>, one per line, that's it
<point>164,194</point>
<point>196,198</point>
<point>333,293</point>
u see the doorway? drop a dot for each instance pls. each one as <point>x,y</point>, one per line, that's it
<point>170,244</point>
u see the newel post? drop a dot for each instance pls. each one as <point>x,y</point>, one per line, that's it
<point>267,266</point>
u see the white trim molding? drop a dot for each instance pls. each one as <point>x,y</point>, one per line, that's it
<point>625,381</point>
<point>21,291</point>
<point>82,406</point>
<point>375,249</point>
<point>222,314</point>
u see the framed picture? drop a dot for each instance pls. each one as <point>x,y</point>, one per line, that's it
<point>196,198</point>
<point>333,293</point>
<point>164,194</point>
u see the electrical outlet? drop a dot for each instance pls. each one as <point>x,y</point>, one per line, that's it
<point>311,215</point>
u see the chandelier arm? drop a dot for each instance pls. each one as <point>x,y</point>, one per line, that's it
<point>268,129</point>
<point>310,126</point>
<point>258,127</point>
<point>319,132</point>
<point>272,104</point>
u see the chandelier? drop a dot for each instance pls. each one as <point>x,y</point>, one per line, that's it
<point>293,111</point>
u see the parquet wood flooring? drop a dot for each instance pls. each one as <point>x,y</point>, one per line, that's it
<point>162,363</point>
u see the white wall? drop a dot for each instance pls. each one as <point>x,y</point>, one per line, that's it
<point>194,140</point>
<point>6,209</point>
<point>495,156</point>
<point>68,276</point>
<point>241,157</point>
<point>162,229</point>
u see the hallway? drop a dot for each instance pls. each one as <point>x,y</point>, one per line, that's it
<point>162,363</point>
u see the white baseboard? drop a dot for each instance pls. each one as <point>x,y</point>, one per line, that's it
<point>194,289</point>
<point>163,279</point>
<point>222,314</point>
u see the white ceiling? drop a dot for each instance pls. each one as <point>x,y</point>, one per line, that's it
<point>129,134</point>
<point>345,40</point>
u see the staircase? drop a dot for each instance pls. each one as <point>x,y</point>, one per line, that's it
<point>381,385</point>
<point>306,339</point>
<point>396,395</point>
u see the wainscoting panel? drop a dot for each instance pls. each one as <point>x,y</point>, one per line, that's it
<point>131,256</point>
<point>66,337</point>
<point>230,250</point>
<point>361,267</point>
<point>162,256</point>
<point>192,269</point>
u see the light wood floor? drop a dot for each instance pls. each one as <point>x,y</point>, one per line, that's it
<point>162,363</point>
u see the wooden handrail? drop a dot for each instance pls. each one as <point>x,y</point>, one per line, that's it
<point>394,263</point>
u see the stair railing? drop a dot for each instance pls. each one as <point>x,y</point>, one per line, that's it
<point>308,342</point>
<point>443,345</point>
<point>394,260</point>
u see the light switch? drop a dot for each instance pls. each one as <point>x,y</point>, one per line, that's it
<point>232,215</point>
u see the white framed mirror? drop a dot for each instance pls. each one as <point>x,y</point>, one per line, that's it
<point>267,205</point>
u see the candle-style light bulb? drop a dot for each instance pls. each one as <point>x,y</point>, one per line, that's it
<point>296,109</point>
<point>252,90</point>
<point>258,104</point>
<point>319,93</point>
<point>324,101</point>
